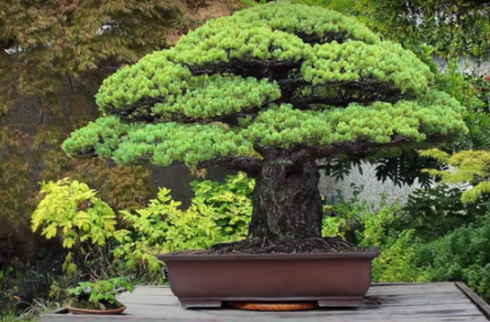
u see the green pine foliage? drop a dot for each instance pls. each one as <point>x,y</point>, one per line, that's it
<point>279,75</point>
<point>300,20</point>
<point>460,28</point>
<point>207,101</point>
<point>353,61</point>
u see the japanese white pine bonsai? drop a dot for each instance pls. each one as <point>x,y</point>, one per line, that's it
<point>268,91</point>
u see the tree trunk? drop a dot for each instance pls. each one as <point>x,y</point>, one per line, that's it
<point>287,213</point>
<point>286,205</point>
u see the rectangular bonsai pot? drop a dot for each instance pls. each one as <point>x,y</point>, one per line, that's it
<point>331,279</point>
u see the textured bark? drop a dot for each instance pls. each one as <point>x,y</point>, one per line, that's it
<point>286,205</point>
<point>287,212</point>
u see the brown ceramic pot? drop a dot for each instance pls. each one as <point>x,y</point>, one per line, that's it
<point>75,310</point>
<point>331,279</point>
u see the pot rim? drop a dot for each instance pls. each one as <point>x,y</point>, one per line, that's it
<point>371,253</point>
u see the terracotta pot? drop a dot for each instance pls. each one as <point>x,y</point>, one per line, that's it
<point>331,279</point>
<point>75,310</point>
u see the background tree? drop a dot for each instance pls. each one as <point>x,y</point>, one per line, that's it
<point>268,91</point>
<point>53,56</point>
<point>452,27</point>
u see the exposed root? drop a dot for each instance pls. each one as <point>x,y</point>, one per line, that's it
<point>259,246</point>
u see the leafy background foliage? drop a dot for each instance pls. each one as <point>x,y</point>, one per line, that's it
<point>45,94</point>
<point>435,237</point>
<point>418,250</point>
<point>30,147</point>
<point>53,57</point>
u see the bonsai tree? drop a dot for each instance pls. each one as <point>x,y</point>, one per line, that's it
<point>268,91</point>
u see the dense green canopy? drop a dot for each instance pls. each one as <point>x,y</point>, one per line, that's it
<point>302,80</point>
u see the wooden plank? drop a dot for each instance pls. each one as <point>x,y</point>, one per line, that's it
<point>424,289</point>
<point>421,302</point>
<point>163,317</point>
<point>428,310</point>
<point>404,300</point>
<point>483,306</point>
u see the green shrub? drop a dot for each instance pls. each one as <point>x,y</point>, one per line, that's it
<point>370,224</point>
<point>231,202</point>
<point>162,228</point>
<point>219,213</point>
<point>420,251</point>
<point>100,295</point>
<point>86,225</point>
<point>461,255</point>
<point>434,212</point>
<point>397,260</point>
<point>74,210</point>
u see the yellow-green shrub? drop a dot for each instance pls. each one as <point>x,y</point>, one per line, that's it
<point>471,167</point>
<point>73,212</point>
<point>219,213</point>
<point>162,228</point>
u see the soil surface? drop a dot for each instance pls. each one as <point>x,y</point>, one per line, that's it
<point>255,246</point>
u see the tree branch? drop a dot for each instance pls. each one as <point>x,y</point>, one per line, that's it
<point>137,111</point>
<point>292,83</point>
<point>367,91</point>
<point>246,66</point>
<point>250,165</point>
<point>141,111</point>
<point>328,37</point>
<point>366,84</point>
<point>305,102</point>
<point>360,149</point>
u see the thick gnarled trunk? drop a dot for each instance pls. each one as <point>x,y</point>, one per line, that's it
<point>287,213</point>
<point>287,204</point>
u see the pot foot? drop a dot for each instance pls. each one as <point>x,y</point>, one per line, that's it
<point>187,304</point>
<point>275,306</point>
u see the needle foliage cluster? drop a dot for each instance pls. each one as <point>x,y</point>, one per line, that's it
<point>281,76</point>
